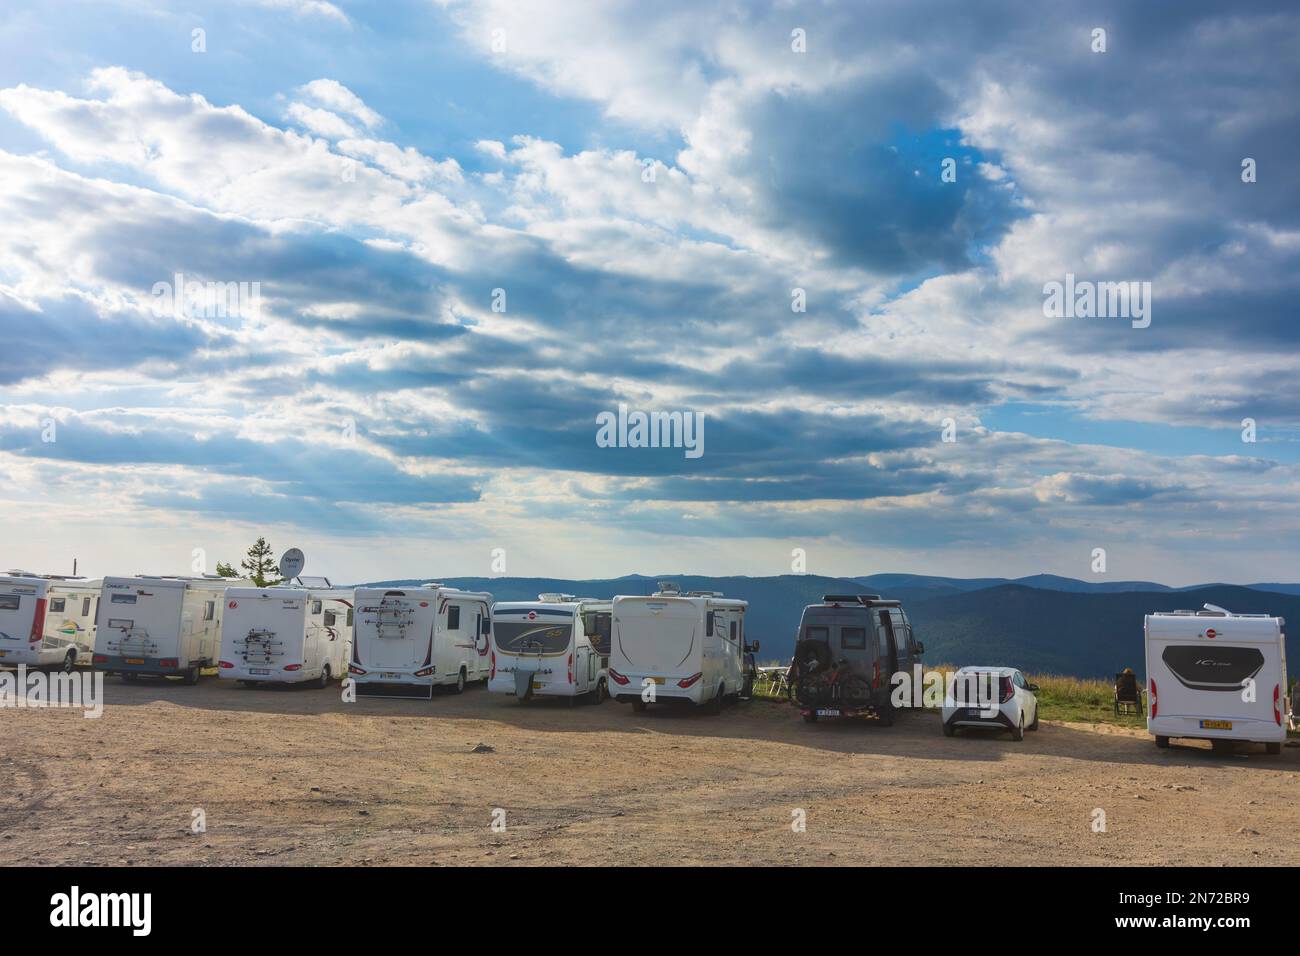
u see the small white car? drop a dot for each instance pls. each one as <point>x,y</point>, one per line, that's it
<point>990,697</point>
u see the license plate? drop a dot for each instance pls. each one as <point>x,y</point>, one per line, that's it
<point>659,680</point>
<point>538,685</point>
<point>391,676</point>
<point>3,653</point>
<point>824,712</point>
<point>259,670</point>
<point>135,660</point>
<point>1216,725</point>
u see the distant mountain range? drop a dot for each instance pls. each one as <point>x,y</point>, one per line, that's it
<point>1042,623</point>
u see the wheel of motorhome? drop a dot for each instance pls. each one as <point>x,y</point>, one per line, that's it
<point>556,646</point>
<point>296,632</point>
<point>1217,676</point>
<point>160,626</point>
<point>47,620</point>
<point>676,647</point>
<point>406,641</point>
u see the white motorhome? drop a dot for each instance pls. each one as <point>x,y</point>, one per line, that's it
<point>1216,676</point>
<point>406,641</point>
<point>291,633</point>
<point>47,620</point>
<point>556,646</point>
<point>672,647</point>
<point>160,626</point>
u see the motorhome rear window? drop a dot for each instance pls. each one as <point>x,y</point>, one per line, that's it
<point>122,599</point>
<point>58,604</point>
<point>10,602</point>
<point>822,634</point>
<point>853,638</point>
<point>532,637</point>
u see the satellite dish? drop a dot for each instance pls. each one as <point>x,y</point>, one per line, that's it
<point>291,564</point>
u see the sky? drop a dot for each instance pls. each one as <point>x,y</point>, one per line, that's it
<point>425,245</point>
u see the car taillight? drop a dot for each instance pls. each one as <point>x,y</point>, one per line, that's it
<point>1277,704</point>
<point>688,681</point>
<point>426,671</point>
<point>1152,694</point>
<point>1008,690</point>
<point>616,677</point>
<point>225,665</point>
<point>875,676</point>
<point>100,658</point>
<point>169,662</point>
<point>570,668</point>
<point>38,622</point>
<point>354,669</point>
<point>293,667</point>
<point>493,673</point>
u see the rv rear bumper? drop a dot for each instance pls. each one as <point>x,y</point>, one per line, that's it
<point>149,666</point>
<point>1190,728</point>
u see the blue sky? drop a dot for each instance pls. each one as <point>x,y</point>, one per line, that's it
<point>648,185</point>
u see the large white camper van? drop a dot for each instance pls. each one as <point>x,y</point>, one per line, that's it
<point>1217,676</point>
<point>290,633</point>
<point>46,620</point>
<point>160,626</point>
<point>556,646</point>
<point>406,641</point>
<point>689,647</point>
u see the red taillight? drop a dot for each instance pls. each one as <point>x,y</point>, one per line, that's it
<point>493,673</point>
<point>225,665</point>
<point>616,677</point>
<point>353,669</point>
<point>169,662</point>
<point>1277,704</point>
<point>293,667</point>
<point>1008,690</point>
<point>570,668</point>
<point>100,658</point>
<point>38,622</point>
<point>1152,694</point>
<point>875,675</point>
<point>688,681</point>
<point>426,671</point>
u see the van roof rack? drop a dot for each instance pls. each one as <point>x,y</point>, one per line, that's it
<point>866,600</point>
<point>704,594</point>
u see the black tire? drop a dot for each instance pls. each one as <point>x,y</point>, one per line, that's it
<point>601,692</point>
<point>1034,725</point>
<point>461,680</point>
<point>810,718</point>
<point>1272,748</point>
<point>715,706</point>
<point>638,706</point>
<point>1162,742</point>
<point>191,676</point>
<point>948,729</point>
<point>886,715</point>
<point>324,680</point>
<point>1018,732</point>
<point>69,662</point>
<point>1222,746</point>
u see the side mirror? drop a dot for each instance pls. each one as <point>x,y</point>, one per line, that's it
<point>1033,688</point>
<point>752,648</point>
<point>920,648</point>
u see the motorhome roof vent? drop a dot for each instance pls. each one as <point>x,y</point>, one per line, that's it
<point>669,587</point>
<point>555,597</point>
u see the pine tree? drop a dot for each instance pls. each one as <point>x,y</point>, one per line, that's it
<point>226,571</point>
<point>262,569</point>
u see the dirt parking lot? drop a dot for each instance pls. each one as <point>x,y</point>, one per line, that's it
<point>297,776</point>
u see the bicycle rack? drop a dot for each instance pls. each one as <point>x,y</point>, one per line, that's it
<point>258,642</point>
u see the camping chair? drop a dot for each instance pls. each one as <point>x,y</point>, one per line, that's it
<point>1128,695</point>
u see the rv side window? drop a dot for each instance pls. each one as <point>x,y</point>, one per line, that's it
<point>121,599</point>
<point>85,606</point>
<point>453,618</point>
<point>902,633</point>
<point>349,617</point>
<point>209,610</point>
<point>853,638</point>
<point>315,607</point>
<point>735,629</point>
<point>58,604</point>
<point>329,619</point>
<point>822,634</point>
<point>708,623</point>
<point>9,602</point>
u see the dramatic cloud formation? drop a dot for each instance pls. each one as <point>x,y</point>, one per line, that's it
<point>411,281</point>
